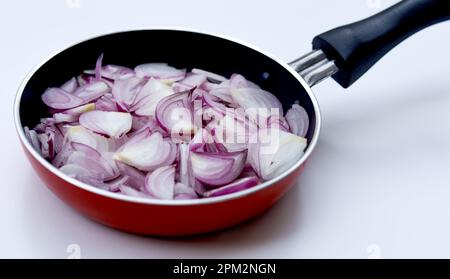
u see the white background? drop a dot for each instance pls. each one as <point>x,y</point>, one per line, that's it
<point>377,185</point>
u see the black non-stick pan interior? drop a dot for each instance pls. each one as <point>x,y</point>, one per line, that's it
<point>181,49</point>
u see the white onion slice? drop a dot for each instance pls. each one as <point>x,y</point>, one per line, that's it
<point>136,178</point>
<point>91,91</point>
<point>59,99</point>
<point>233,133</point>
<point>159,71</point>
<point>222,91</point>
<point>72,115</point>
<point>125,91</point>
<point>152,92</point>
<point>273,151</point>
<point>106,103</point>
<point>174,114</point>
<point>161,182</point>
<point>298,120</point>
<point>70,85</point>
<point>98,165</point>
<point>189,82</point>
<point>238,81</point>
<point>257,102</point>
<point>114,185</point>
<point>278,122</point>
<point>235,186</point>
<point>82,135</point>
<point>129,191</point>
<point>212,76</point>
<point>217,168</point>
<point>109,123</point>
<point>146,151</point>
<point>183,192</point>
<point>98,67</point>
<point>113,72</point>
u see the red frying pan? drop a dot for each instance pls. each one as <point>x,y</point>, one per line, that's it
<point>345,53</point>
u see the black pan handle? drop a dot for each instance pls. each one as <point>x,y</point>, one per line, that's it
<point>358,46</point>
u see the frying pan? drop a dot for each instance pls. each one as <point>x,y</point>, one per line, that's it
<point>345,53</point>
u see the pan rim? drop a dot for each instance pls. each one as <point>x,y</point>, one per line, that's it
<point>155,202</point>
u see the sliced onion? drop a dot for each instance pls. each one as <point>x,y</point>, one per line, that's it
<point>44,144</point>
<point>56,136</point>
<point>298,120</point>
<point>222,91</point>
<point>114,72</point>
<point>129,191</point>
<point>157,132</point>
<point>233,133</point>
<point>136,178</point>
<point>248,171</point>
<point>185,170</point>
<point>84,79</point>
<point>238,81</point>
<point>189,82</point>
<point>89,167</point>
<point>277,121</point>
<point>72,115</point>
<point>235,186</point>
<point>61,157</point>
<point>159,71</point>
<point>161,182</point>
<point>152,92</point>
<point>212,76</point>
<point>109,123</point>
<point>273,151</point>
<point>82,135</point>
<point>98,67</point>
<point>174,114</point>
<point>87,150</point>
<point>59,99</point>
<point>217,168</point>
<point>257,102</point>
<point>98,164</point>
<point>81,109</point>
<point>213,103</point>
<point>146,151</point>
<point>106,103</point>
<point>203,141</point>
<point>186,175</point>
<point>114,185</point>
<point>142,123</point>
<point>183,192</point>
<point>91,91</point>
<point>70,85</point>
<point>125,91</point>
<point>75,171</point>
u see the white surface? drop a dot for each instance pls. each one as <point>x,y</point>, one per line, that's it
<point>377,185</point>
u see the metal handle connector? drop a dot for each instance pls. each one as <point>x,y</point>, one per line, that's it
<point>314,67</point>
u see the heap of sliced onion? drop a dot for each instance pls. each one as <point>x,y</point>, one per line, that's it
<point>159,132</point>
